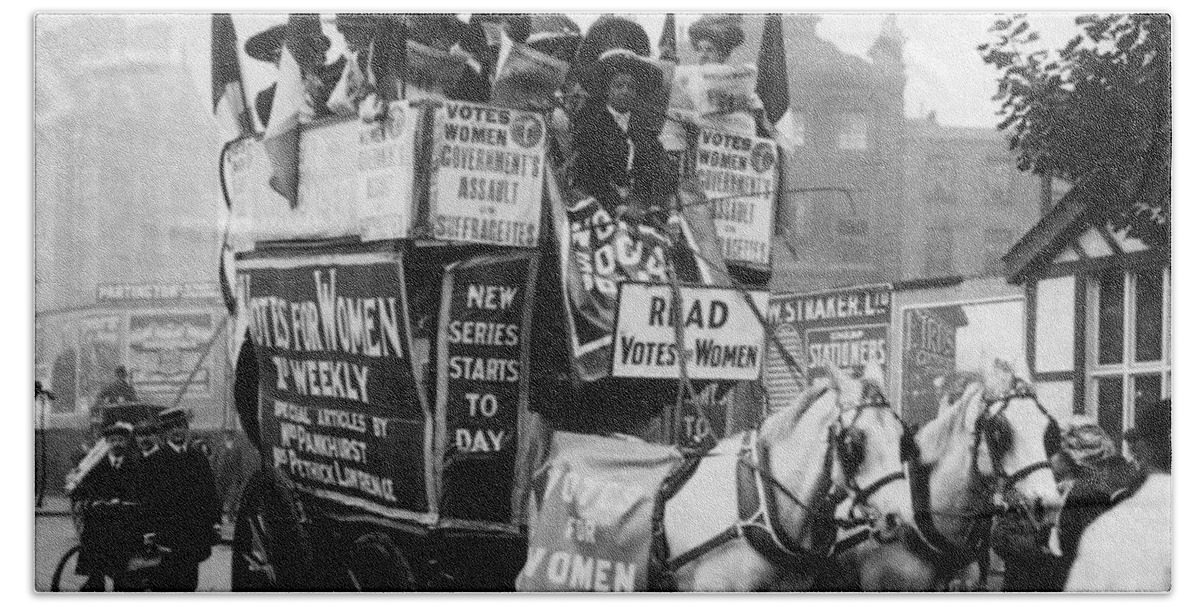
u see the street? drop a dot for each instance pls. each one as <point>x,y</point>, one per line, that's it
<point>54,535</point>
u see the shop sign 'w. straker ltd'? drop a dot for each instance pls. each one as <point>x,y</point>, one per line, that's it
<point>486,178</point>
<point>722,335</point>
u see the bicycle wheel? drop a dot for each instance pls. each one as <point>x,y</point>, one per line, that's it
<point>65,578</point>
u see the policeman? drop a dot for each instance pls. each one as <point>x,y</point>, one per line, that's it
<point>105,541</point>
<point>186,498</point>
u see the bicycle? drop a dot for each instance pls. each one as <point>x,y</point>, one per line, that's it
<point>143,558</point>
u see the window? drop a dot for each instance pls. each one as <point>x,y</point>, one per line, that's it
<point>852,131</point>
<point>1128,358</point>
<point>939,251</point>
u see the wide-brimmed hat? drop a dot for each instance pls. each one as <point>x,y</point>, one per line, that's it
<point>174,417</point>
<point>609,32</point>
<point>118,428</point>
<point>265,45</point>
<point>517,25</point>
<point>424,27</point>
<point>555,35</point>
<point>725,31</point>
<point>646,74</point>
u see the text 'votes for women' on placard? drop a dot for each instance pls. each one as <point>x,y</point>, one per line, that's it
<point>739,177</point>
<point>722,335</point>
<point>487,166</point>
<point>341,411</point>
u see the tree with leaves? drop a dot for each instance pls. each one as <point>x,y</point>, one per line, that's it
<point>1097,115</point>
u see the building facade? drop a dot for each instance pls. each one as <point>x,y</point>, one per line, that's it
<point>128,225</point>
<point>1099,322</point>
<point>965,203</point>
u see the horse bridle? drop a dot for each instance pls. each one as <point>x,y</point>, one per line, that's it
<point>781,546</point>
<point>849,443</point>
<point>996,431</point>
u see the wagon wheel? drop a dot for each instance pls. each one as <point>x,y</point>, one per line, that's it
<point>65,578</point>
<point>270,549</point>
<point>376,564</point>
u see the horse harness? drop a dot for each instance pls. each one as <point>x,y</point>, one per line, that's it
<point>758,503</point>
<point>996,431</point>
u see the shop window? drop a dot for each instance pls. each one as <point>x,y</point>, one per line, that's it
<point>1128,344</point>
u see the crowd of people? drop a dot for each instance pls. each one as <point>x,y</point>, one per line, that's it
<point>1114,531</point>
<point>610,104</point>
<point>148,505</point>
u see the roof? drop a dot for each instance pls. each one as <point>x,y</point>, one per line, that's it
<point>1077,229</point>
<point>1054,231</point>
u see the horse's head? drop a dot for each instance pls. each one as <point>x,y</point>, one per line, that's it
<point>870,444</point>
<point>1014,439</point>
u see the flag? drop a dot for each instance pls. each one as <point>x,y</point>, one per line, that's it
<point>668,49</point>
<point>227,88</point>
<point>290,107</point>
<point>772,86</point>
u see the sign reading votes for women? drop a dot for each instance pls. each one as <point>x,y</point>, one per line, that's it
<point>738,174</point>
<point>722,335</point>
<point>486,174</point>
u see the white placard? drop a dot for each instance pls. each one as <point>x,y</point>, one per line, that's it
<point>722,335</point>
<point>486,178</point>
<point>739,175</point>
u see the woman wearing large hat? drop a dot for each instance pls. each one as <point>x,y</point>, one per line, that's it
<point>714,38</point>
<point>619,159</point>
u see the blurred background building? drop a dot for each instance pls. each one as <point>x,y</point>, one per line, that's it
<point>128,225</point>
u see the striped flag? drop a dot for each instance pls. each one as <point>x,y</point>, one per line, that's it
<point>227,92</point>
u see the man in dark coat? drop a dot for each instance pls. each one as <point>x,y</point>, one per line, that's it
<point>188,507</point>
<point>108,536</point>
<point>618,157</point>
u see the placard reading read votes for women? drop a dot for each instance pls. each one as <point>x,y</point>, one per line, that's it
<point>722,336</point>
<point>486,174</point>
<point>738,174</point>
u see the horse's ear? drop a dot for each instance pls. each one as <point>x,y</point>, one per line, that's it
<point>850,390</point>
<point>997,376</point>
<point>873,372</point>
<point>969,404</point>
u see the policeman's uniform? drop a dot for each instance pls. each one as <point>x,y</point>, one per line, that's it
<point>188,507</point>
<point>107,537</point>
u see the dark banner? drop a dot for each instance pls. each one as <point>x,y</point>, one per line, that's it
<point>483,355</point>
<point>340,409</point>
<point>845,327</point>
<point>597,253</point>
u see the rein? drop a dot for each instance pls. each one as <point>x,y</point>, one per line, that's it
<point>928,541</point>
<point>758,511</point>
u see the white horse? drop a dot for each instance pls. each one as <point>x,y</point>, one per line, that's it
<point>988,450</point>
<point>839,436</point>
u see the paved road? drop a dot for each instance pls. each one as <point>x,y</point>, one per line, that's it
<point>54,535</point>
